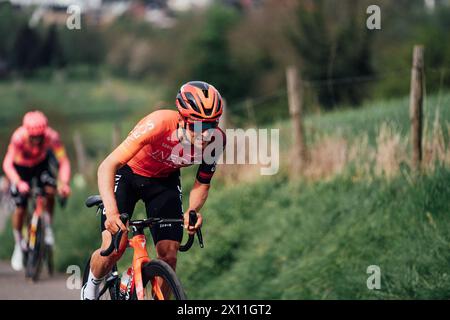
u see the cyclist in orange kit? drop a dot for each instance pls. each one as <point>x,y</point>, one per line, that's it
<point>146,166</point>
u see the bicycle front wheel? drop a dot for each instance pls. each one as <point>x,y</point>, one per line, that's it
<point>160,282</point>
<point>36,252</point>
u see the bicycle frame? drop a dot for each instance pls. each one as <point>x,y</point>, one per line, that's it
<point>141,257</point>
<point>138,244</point>
<point>37,214</point>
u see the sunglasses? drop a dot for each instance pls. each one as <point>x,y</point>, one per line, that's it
<point>203,126</point>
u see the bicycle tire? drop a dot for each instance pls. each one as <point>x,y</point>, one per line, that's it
<point>35,256</point>
<point>159,268</point>
<point>113,291</point>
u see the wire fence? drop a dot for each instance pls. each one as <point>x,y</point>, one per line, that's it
<point>274,106</point>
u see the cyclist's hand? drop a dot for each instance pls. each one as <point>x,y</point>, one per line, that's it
<point>64,190</point>
<point>23,187</point>
<point>192,229</point>
<point>113,224</point>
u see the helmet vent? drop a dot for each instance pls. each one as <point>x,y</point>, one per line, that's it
<point>209,111</point>
<point>182,104</point>
<point>219,105</point>
<point>191,100</point>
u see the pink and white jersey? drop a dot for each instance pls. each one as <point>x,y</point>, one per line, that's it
<point>22,153</point>
<point>27,155</point>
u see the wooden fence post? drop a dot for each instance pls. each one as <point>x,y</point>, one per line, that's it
<point>80,154</point>
<point>415,106</point>
<point>295,97</point>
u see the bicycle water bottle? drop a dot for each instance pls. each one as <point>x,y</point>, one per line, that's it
<point>124,284</point>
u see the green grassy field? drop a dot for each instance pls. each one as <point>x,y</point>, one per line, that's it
<point>281,240</point>
<point>351,123</point>
<point>370,116</point>
<point>276,240</point>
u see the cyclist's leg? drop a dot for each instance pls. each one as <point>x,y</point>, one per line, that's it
<point>126,200</point>
<point>101,266</point>
<point>163,198</point>
<point>19,215</point>
<point>167,251</point>
<point>47,182</point>
<point>167,203</point>
<point>20,199</point>
<point>19,243</point>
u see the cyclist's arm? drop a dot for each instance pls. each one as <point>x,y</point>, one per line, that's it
<point>64,164</point>
<point>145,132</point>
<point>105,175</point>
<point>64,170</point>
<point>8,165</point>
<point>198,196</point>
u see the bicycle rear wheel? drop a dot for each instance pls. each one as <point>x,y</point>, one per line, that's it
<point>155,271</point>
<point>109,290</point>
<point>36,253</point>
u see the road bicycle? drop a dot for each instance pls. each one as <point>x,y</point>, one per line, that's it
<point>143,279</point>
<point>38,251</point>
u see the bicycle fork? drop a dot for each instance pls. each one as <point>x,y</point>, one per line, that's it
<point>37,214</point>
<point>140,257</point>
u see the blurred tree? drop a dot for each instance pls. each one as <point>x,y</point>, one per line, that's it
<point>404,24</point>
<point>26,50</point>
<point>10,22</point>
<point>209,55</point>
<point>333,43</point>
<point>51,52</point>
<point>130,44</point>
<point>83,47</point>
<point>435,36</point>
<point>260,49</point>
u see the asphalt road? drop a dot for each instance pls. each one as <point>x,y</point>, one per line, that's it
<point>14,286</point>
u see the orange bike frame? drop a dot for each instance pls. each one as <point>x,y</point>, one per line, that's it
<point>141,257</point>
<point>34,220</point>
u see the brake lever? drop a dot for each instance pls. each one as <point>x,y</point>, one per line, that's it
<point>192,221</point>
<point>200,238</point>
<point>124,219</point>
<point>116,238</point>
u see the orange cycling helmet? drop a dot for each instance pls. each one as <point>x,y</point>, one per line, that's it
<point>35,122</point>
<point>199,101</point>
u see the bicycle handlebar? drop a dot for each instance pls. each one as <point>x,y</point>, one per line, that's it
<point>36,191</point>
<point>116,238</point>
<point>115,241</point>
<point>192,222</point>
